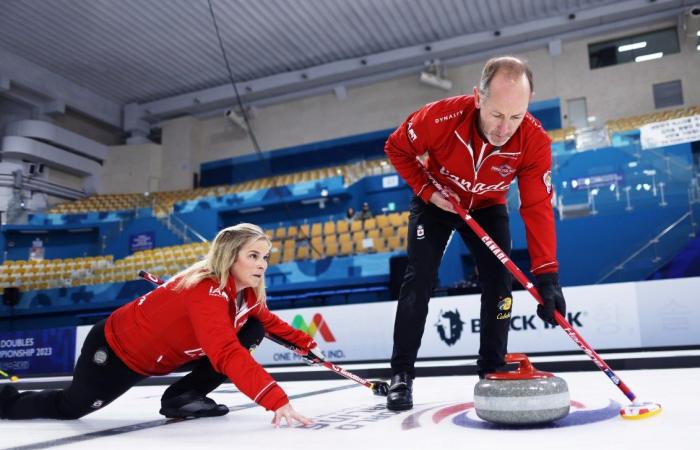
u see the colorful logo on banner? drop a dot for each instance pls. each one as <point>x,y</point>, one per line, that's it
<point>464,415</point>
<point>317,325</point>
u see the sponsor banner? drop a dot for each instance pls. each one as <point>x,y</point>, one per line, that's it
<point>605,317</point>
<point>344,333</point>
<point>669,312</point>
<point>670,132</point>
<point>38,352</point>
<point>608,316</point>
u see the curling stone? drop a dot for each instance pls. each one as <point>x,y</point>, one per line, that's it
<point>525,396</point>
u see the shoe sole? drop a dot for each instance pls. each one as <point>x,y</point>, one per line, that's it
<point>170,414</point>
<point>400,407</point>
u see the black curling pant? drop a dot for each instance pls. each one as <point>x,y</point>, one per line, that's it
<point>429,229</point>
<point>100,377</point>
<point>203,379</point>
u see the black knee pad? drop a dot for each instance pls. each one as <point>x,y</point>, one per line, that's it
<point>251,334</point>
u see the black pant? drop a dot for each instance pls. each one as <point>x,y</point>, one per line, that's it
<point>429,229</point>
<point>203,379</point>
<point>100,377</point>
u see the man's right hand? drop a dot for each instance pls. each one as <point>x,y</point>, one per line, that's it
<point>441,202</point>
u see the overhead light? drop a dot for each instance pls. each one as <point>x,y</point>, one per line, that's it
<point>649,57</point>
<point>237,119</point>
<point>434,75</point>
<point>698,33</point>
<point>628,47</point>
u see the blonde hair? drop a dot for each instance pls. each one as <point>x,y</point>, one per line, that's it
<point>223,252</point>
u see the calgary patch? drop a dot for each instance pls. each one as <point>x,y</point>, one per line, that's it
<point>503,170</point>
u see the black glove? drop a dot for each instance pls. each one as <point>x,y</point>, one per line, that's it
<point>550,291</point>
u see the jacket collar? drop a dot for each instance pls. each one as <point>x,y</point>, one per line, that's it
<point>249,295</point>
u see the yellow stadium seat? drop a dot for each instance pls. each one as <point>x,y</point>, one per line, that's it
<point>316,241</point>
<point>358,236</point>
<point>345,248</point>
<point>394,243</point>
<point>288,254</point>
<point>387,232</point>
<point>370,224</point>
<point>302,253</point>
<point>316,230</point>
<point>403,232</point>
<point>331,248</point>
<point>329,228</point>
<point>342,226</point>
<point>379,245</point>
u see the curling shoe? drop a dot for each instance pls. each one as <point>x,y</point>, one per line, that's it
<point>191,404</point>
<point>400,396</point>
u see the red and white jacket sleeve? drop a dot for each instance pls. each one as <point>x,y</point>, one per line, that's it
<point>409,140</point>
<point>536,190</point>
<point>209,315</point>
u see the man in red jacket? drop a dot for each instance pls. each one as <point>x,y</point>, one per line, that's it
<point>211,313</point>
<point>475,146</point>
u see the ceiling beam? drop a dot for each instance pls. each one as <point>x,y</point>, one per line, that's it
<point>31,83</point>
<point>390,64</point>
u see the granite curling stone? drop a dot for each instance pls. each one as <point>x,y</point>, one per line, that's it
<point>525,396</point>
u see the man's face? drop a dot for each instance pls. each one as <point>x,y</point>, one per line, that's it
<point>501,113</point>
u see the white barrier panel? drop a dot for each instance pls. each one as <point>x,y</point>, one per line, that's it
<point>81,333</point>
<point>669,312</point>
<point>609,316</point>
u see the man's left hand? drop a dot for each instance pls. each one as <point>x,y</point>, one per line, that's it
<point>552,297</point>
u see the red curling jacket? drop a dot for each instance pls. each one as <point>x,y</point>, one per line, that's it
<point>480,174</point>
<point>162,330</point>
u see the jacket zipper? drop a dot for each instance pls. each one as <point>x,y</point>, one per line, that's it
<point>477,165</point>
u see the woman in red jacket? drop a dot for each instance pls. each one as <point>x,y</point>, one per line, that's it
<point>210,314</point>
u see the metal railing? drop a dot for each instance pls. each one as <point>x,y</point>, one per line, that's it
<point>183,229</point>
<point>653,242</point>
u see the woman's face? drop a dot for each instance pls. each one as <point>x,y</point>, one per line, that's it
<point>251,263</point>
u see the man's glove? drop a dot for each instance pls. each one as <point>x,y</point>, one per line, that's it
<point>552,297</point>
<point>311,353</point>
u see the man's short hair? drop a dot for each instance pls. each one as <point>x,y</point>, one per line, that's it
<point>512,66</point>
